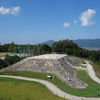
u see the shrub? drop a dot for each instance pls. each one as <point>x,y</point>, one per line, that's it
<point>8,60</point>
<point>11,60</point>
<point>15,59</point>
<point>2,64</point>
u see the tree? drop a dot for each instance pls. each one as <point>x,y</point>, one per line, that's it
<point>11,47</point>
<point>74,51</point>
<point>69,51</point>
<point>28,49</point>
<point>35,50</point>
<point>62,45</point>
<point>45,49</point>
<point>4,48</point>
<point>56,47</point>
<point>39,49</point>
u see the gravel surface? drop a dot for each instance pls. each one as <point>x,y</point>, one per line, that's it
<point>49,56</point>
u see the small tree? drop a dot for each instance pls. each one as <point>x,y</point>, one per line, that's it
<point>11,47</point>
<point>39,49</point>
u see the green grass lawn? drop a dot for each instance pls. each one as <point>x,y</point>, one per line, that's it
<point>83,66</point>
<point>3,54</point>
<point>15,89</point>
<point>90,91</point>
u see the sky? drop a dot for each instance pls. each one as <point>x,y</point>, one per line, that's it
<point>36,21</point>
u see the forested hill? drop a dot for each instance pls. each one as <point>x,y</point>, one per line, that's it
<point>87,42</point>
<point>50,42</point>
<point>80,42</point>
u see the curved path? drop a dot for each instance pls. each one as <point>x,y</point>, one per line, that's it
<point>54,89</point>
<point>91,72</point>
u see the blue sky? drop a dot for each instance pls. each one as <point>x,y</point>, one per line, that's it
<point>36,21</point>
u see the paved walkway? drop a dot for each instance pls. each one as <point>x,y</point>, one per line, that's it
<point>91,73</point>
<point>52,88</point>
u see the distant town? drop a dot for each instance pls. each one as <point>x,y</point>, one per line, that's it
<point>92,48</point>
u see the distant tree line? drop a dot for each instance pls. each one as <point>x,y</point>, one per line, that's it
<point>64,46</point>
<point>42,49</point>
<point>7,47</point>
<point>71,48</point>
<point>14,47</point>
<point>4,48</point>
<point>67,47</point>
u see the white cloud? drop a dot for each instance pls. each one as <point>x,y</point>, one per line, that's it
<point>66,25</point>
<point>87,16</point>
<point>11,10</point>
<point>4,10</point>
<point>75,22</point>
<point>15,10</point>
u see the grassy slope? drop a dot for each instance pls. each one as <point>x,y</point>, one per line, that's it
<point>90,91</point>
<point>14,89</point>
<point>96,67</point>
<point>83,66</point>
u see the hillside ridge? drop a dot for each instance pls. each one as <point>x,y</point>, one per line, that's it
<point>80,42</point>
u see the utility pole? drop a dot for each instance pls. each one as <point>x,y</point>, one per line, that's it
<point>14,48</point>
<point>19,50</point>
<point>29,49</point>
<point>24,50</point>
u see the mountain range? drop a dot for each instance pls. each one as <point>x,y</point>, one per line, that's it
<point>87,42</point>
<point>95,43</point>
<point>50,42</point>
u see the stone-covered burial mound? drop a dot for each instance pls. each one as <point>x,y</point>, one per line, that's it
<point>58,64</point>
